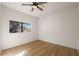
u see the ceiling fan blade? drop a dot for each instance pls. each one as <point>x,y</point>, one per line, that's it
<point>39,8</point>
<point>34,2</point>
<point>27,4</point>
<point>41,3</point>
<point>32,9</point>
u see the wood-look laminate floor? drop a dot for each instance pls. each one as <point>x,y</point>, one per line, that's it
<point>40,48</point>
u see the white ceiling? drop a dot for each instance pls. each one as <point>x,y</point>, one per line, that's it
<point>49,7</point>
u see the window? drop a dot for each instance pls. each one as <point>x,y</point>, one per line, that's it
<point>19,27</point>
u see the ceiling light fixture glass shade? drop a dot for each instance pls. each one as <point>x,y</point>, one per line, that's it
<point>34,7</point>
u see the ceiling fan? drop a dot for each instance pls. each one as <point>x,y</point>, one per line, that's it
<point>35,5</point>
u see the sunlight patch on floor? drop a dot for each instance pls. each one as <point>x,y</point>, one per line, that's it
<point>22,53</point>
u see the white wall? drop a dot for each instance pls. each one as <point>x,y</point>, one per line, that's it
<point>0,10</point>
<point>13,39</point>
<point>0,28</point>
<point>60,28</point>
<point>78,27</point>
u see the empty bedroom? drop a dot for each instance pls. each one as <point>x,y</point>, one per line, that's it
<point>39,29</point>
